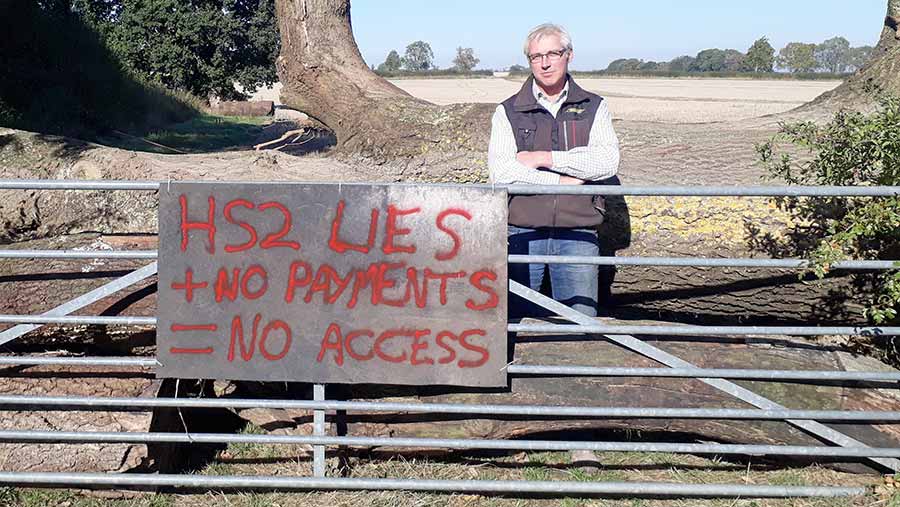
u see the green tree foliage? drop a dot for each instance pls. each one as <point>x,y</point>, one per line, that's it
<point>852,149</point>
<point>734,60</point>
<point>681,64</point>
<point>624,65</point>
<point>202,47</point>
<point>57,76</point>
<point>391,64</point>
<point>760,57</point>
<point>465,59</point>
<point>518,69</point>
<point>418,57</point>
<point>717,60</point>
<point>859,57</point>
<point>833,55</point>
<point>650,66</point>
<point>708,60</point>
<point>798,57</point>
<point>95,12</point>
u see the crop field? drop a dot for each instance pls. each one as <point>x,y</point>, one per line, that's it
<point>677,100</point>
<point>649,99</point>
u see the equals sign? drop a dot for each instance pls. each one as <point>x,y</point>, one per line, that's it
<point>178,328</point>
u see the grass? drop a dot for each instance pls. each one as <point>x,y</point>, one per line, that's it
<point>894,501</point>
<point>10,497</point>
<point>635,467</point>
<point>202,134</point>
<point>252,450</point>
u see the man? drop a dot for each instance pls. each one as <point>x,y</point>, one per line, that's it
<point>553,133</point>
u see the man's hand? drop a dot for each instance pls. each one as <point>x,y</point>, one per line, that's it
<point>569,180</point>
<point>544,159</point>
<point>535,159</point>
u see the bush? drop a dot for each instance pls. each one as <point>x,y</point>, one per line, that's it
<point>812,76</point>
<point>852,149</point>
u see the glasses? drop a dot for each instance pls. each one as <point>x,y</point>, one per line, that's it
<point>553,56</point>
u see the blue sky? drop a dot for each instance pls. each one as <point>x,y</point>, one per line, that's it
<point>606,30</point>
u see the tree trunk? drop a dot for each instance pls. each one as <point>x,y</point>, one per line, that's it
<point>881,74</point>
<point>325,76</point>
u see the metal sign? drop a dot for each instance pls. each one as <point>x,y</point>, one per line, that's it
<point>392,284</point>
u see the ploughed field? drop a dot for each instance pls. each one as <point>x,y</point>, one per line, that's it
<point>684,100</point>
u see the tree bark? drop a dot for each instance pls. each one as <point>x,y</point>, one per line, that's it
<point>325,76</point>
<point>881,74</point>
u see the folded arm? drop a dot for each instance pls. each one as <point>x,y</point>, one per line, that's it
<point>596,161</point>
<point>504,166</point>
<point>599,159</point>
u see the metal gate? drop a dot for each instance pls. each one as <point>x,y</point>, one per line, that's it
<point>810,421</point>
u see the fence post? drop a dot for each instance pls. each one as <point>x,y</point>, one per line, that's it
<point>319,431</point>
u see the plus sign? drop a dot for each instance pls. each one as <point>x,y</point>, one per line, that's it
<point>188,285</point>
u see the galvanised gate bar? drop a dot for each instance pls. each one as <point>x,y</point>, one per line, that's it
<point>809,421</point>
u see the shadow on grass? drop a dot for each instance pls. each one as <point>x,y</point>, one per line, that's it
<point>203,134</point>
<point>60,78</point>
<point>209,134</point>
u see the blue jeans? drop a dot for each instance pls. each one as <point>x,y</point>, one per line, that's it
<point>574,285</point>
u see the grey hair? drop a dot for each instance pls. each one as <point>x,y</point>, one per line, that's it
<point>541,31</point>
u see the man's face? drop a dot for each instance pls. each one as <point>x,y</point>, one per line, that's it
<point>549,73</point>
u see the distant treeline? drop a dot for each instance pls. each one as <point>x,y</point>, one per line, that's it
<point>834,56</point>
<point>831,59</point>
<point>436,73</point>
<point>796,76</point>
<point>418,59</point>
